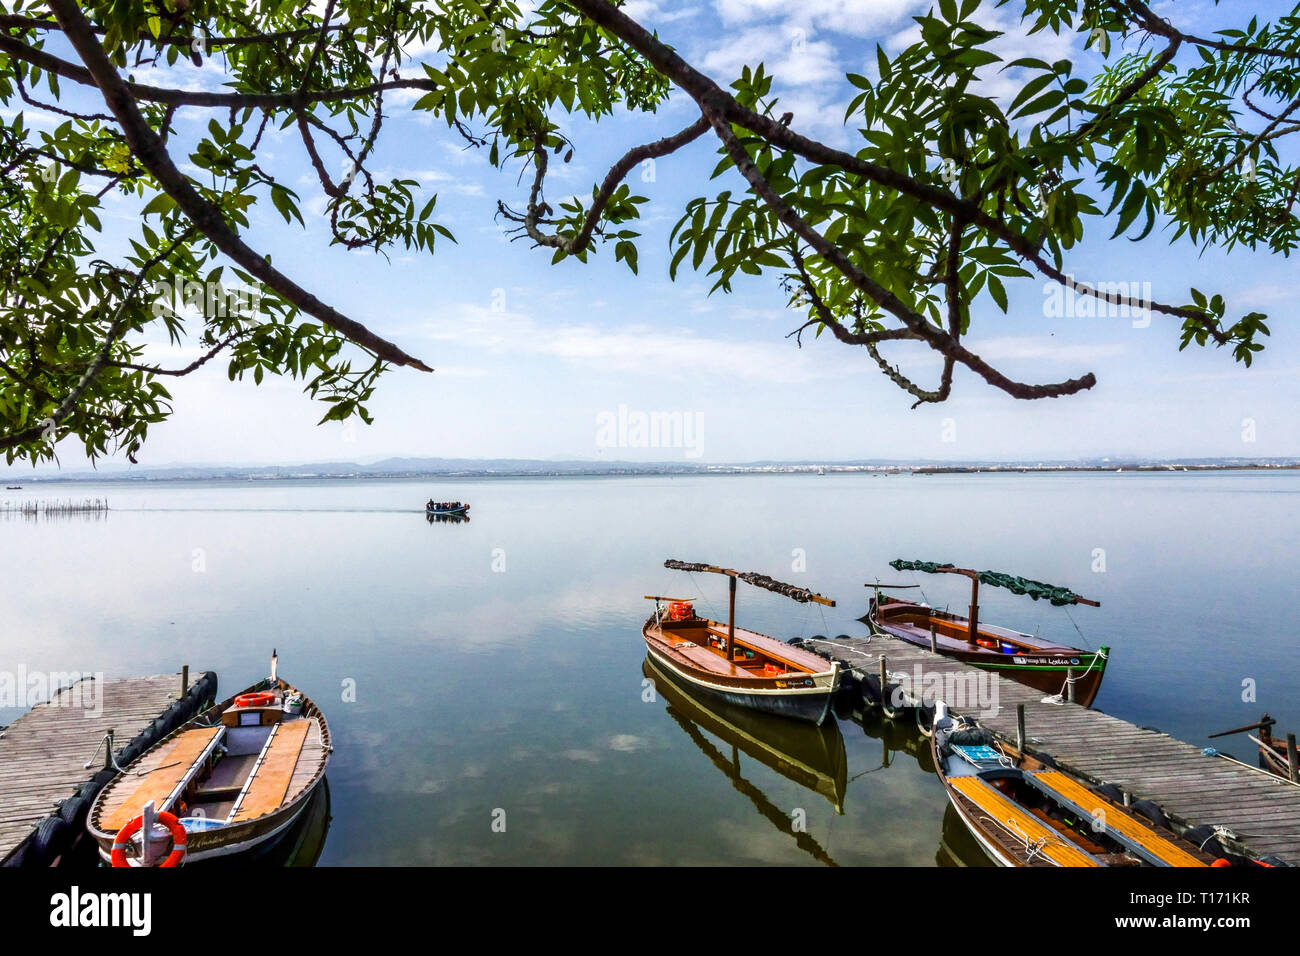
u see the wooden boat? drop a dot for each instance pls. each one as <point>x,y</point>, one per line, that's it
<point>1278,757</point>
<point>1071,672</point>
<point>230,781</point>
<point>742,667</point>
<point>1025,813</point>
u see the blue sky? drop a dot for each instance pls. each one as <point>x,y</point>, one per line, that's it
<point>573,341</point>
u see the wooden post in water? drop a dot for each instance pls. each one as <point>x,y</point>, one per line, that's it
<point>934,641</point>
<point>1069,684</point>
<point>185,680</point>
<point>1020,727</point>
<point>884,680</point>
<point>1291,758</point>
<point>731,617</point>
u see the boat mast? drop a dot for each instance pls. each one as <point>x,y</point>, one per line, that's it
<point>731,616</point>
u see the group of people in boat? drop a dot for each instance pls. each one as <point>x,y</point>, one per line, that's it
<point>445,506</point>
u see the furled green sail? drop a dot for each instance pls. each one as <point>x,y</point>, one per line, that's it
<point>1057,596</point>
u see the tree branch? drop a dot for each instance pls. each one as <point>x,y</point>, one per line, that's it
<point>209,219</point>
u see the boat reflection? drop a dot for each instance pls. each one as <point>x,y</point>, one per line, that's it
<point>957,846</point>
<point>446,518</point>
<point>810,755</point>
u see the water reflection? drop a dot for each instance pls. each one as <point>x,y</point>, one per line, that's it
<point>446,518</point>
<point>808,755</point>
<point>957,847</point>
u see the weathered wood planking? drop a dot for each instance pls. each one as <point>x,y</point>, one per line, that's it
<point>1263,810</point>
<point>43,752</point>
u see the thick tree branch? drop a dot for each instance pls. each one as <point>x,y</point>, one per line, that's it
<point>937,339</point>
<point>209,219</point>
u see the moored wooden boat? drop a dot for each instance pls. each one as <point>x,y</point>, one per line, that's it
<point>1046,665</point>
<point>232,780</point>
<point>740,666</point>
<point>1024,813</point>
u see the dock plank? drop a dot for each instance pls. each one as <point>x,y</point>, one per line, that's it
<point>43,752</point>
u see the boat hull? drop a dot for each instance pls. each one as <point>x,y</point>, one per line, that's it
<point>812,707</point>
<point>800,696</point>
<point>254,846</point>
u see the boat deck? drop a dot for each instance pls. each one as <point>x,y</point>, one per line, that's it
<point>43,753</point>
<point>1262,809</point>
<point>689,639</point>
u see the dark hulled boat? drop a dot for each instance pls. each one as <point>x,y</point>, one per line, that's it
<point>1033,661</point>
<point>740,666</point>
<point>232,780</point>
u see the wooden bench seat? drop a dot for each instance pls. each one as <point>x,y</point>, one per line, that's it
<point>1116,820</point>
<point>271,780</point>
<point>1017,820</point>
<point>174,762</point>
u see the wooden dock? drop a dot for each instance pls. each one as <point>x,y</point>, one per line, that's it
<point>1260,809</point>
<point>43,754</point>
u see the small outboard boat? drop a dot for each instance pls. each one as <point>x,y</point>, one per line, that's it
<point>445,508</point>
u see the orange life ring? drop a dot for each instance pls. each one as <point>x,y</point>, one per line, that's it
<point>166,819</point>
<point>259,699</point>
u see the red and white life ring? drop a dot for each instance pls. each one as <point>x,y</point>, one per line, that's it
<point>168,820</point>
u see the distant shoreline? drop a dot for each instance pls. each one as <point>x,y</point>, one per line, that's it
<point>1163,468</point>
<point>377,472</point>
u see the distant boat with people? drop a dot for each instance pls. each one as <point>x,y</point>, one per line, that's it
<point>445,507</point>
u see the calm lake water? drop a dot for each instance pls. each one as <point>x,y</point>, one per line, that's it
<point>498,664</point>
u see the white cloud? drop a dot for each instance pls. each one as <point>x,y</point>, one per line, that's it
<point>856,17</point>
<point>789,54</point>
<point>678,352</point>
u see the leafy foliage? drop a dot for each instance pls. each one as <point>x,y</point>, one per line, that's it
<point>949,194</point>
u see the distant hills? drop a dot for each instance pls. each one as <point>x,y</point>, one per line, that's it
<point>523,467</point>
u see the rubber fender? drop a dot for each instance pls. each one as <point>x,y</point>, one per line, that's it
<point>49,840</point>
<point>73,810</point>
<point>1111,792</point>
<point>1203,837</point>
<point>1151,810</point>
